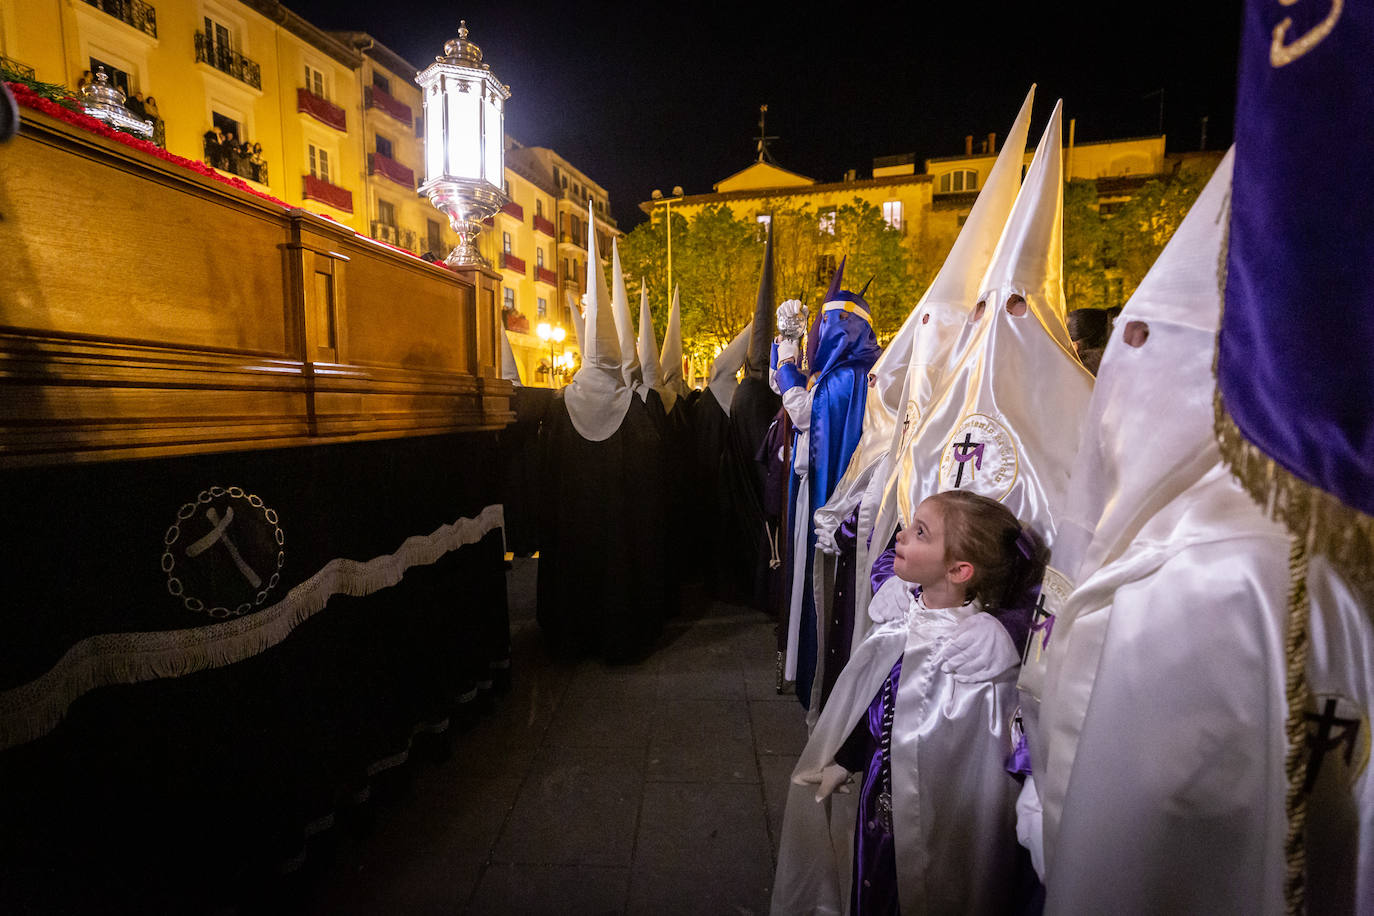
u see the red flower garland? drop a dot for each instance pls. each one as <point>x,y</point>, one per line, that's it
<point>30,99</point>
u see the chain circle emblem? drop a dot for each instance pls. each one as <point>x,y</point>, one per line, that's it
<point>224,553</point>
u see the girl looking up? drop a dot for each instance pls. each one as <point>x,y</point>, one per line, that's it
<point>921,714</point>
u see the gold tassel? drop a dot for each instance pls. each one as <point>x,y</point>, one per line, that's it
<point>1295,760</point>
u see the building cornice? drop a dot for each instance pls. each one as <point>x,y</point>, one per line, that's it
<point>311,34</point>
<point>810,190</point>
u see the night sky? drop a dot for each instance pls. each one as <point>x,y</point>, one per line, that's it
<point>649,95</point>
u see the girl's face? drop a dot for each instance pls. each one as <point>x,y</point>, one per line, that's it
<point>921,547</point>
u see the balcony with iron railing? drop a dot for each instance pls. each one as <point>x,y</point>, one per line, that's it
<point>317,188</point>
<point>227,60</point>
<point>545,226</point>
<point>321,109</point>
<point>235,160</point>
<point>511,262</point>
<point>377,164</point>
<point>378,98</point>
<point>11,69</point>
<point>544,275</point>
<point>131,12</point>
<point>394,235</point>
<point>511,208</point>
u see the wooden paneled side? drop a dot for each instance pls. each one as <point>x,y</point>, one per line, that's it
<point>148,310</point>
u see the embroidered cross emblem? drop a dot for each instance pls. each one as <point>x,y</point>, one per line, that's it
<point>1042,621</point>
<point>966,451</point>
<point>1322,740</point>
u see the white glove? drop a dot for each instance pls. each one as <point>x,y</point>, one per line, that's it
<point>787,349</point>
<point>826,526</point>
<point>892,601</point>
<point>1029,820</point>
<point>979,650</point>
<point>834,778</point>
<point>789,311</point>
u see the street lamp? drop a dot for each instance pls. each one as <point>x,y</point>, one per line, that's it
<point>551,334</point>
<point>657,196</point>
<point>464,106</point>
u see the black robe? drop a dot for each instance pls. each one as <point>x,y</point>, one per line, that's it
<point>521,482</point>
<point>744,547</point>
<point>603,538</point>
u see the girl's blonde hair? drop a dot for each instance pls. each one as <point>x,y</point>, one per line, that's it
<point>1008,560</point>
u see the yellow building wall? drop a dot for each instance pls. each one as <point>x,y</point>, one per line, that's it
<point>914,196</point>
<point>57,38</point>
<point>413,211</point>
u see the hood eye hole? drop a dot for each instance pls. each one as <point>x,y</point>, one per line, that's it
<point>1016,305</point>
<point>925,319</point>
<point>978,312</point>
<point>1136,333</point>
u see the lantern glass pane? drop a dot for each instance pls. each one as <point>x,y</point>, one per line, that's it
<point>495,148</point>
<point>464,130</point>
<point>434,131</point>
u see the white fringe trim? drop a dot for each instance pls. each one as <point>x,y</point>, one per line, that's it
<point>31,710</point>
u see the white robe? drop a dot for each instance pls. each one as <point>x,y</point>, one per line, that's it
<point>953,801</point>
<point>797,400</point>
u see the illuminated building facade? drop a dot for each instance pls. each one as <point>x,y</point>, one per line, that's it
<point>332,123</point>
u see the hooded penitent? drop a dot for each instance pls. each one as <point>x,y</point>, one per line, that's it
<point>922,350</point>
<point>1006,421</point>
<point>1179,594</point>
<point>827,410</point>
<point>603,585</point>
<point>648,349</point>
<point>598,397</point>
<point>578,324</point>
<point>670,361</point>
<point>725,367</point>
<point>624,325</point>
<point>743,541</point>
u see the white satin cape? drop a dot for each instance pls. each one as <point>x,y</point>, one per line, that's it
<point>954,821</point>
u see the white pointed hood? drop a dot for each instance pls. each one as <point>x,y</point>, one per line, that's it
<point>578,326</point>
<point>1006,421</point>
<point>648,348</point>
<point>1127,466</point>
<point>510,369</point>
<point>726,366</point>
<point>597,398</point>
<point>1029,260</point>
<point>624,324</point>
<point>670,361</point>
<point>927,337</point>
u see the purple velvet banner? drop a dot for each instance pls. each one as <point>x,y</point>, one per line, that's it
<point>1296,365</point>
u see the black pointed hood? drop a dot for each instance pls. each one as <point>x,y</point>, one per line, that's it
<point>761,333</point>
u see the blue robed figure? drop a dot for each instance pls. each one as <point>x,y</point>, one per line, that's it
<point>826,405</point>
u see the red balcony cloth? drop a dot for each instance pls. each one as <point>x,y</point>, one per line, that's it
<point>399,110</point>
<point>543,225</point>
<point>517,322</point>
<point>337,197</point>
<point>511,262</point>
<point>325,112</point>
<point>515,210</point>
<point>546,275</point>
<point>390,168</point>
